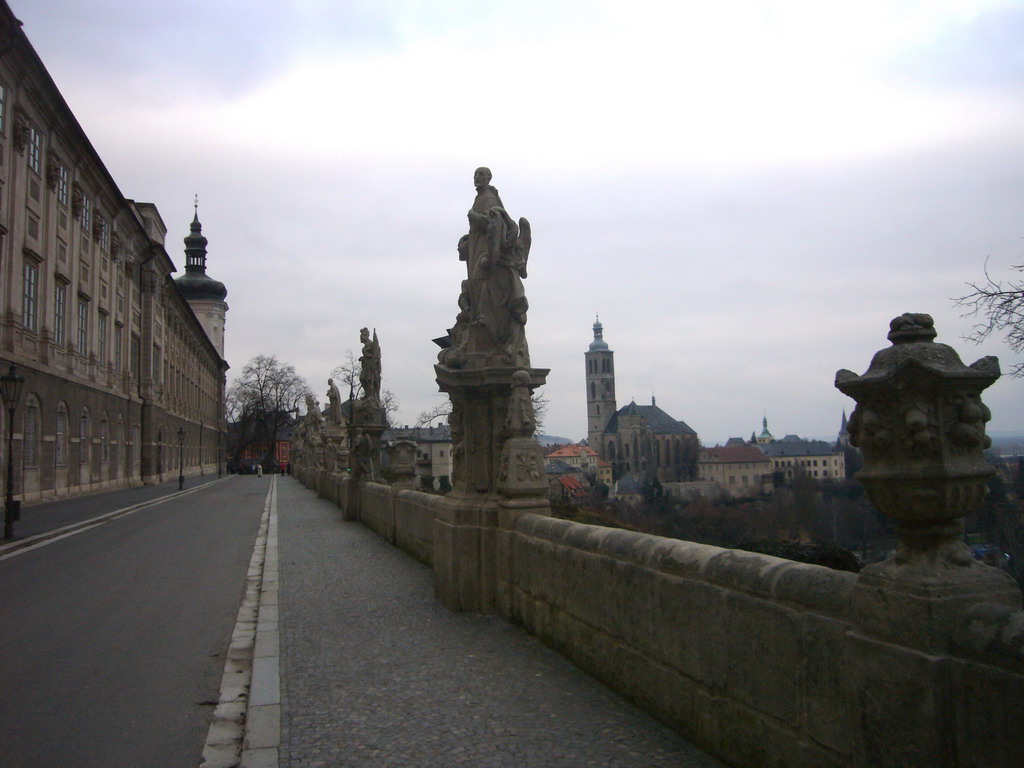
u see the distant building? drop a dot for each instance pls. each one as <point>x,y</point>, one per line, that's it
<point>817,458</point>
<point>739,470</point>
<point>433,448</point>
<point>581,456</point>
<point>636,438</point>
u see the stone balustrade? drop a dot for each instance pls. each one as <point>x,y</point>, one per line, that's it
<point>918,661</point>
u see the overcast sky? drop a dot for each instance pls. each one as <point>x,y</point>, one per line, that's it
<point>746,191</point>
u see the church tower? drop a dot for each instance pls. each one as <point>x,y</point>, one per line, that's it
<point>204,294</point>
<point>600,389</point>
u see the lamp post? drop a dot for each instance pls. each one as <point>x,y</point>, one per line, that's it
<point>181,458</point>
<point>10,390</point>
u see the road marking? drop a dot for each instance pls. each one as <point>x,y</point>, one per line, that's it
<point>49,537</point>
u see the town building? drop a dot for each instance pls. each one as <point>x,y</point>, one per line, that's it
<point>819,459</point>
<point>433,449</point>
<point>738,470</point>
<point>123,383</point>
<point>582,457</point>
<point>636,439</point>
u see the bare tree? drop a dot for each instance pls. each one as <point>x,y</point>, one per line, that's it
<point>444,408</point>
<point>1001,309</point>
<point>440,411</point>
<point>261,401</point>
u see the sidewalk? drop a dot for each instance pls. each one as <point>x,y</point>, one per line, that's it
<point>375,673</point>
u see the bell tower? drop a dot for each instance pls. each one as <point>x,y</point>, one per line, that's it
<point>600,362</point>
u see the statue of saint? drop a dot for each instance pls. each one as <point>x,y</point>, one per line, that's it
<point>361,457</point>
<point>314,421</point>
<point>495,250</point>
<point>369,373</point>
<point>334,412</point>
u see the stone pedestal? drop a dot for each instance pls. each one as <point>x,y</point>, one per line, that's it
<point>494,481</point>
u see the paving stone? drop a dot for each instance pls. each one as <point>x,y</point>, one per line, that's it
<point>375,673</point>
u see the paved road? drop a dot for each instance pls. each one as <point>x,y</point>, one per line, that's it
<point>112,640</point>
<point>46,516</point>
<point>375,673</point>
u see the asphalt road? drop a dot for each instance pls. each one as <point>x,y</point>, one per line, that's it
<point>112,640</point>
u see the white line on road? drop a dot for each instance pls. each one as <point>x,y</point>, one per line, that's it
<point>49,537</point>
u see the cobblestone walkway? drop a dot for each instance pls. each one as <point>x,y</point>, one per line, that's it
<point>376,674</point>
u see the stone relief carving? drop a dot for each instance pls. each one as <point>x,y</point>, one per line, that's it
<point>53,165</point>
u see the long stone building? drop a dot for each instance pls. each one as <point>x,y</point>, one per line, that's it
<point>122,377</point>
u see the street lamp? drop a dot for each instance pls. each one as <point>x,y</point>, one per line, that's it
<point>10,390</point>
<point>181,458</point>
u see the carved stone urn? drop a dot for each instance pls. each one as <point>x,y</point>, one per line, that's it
<point>920,423</point>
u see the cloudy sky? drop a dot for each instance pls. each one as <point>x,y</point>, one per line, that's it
<point>746,191</point>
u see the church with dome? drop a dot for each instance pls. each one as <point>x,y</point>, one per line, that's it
<point>636,440</point>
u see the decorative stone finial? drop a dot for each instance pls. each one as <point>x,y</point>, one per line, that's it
<point>920,423</point>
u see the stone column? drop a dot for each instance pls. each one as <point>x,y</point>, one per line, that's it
<point>494,481</point>
<point>920,423</point>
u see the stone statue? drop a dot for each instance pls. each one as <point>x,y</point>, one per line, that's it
<point>369,374</point>
<point>490,328</point>
<point>361,457</point>
<point>334,412</point>
<point>314,421</point>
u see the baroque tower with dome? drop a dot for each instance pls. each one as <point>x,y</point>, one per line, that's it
<point>204,294</point>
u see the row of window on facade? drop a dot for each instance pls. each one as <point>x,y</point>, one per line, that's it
<point>58,176</point>
<point>30,320</point>
<point>32,433</point>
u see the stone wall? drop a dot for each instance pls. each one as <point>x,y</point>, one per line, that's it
<point>760,661</point>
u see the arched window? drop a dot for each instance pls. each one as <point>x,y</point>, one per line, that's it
<point>657,453</point>
<point>30,449</point>
<point>104,439</point>
<point>136,450</point>
<point>118,446</point>
<point>611,450</point>
<point>60,436</point>
<point>593,391</point>
<point>83,437</point>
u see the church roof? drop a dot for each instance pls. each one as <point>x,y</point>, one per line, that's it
<point>659,422</point>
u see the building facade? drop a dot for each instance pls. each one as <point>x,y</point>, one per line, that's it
<point>738,470</point>
<point>122,381</point>
<point>636,439</point>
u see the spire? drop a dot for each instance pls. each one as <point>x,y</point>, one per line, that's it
<point>765,436</point>
<point>598,343</point>
<point>195,244</point>
<point>195,283</point>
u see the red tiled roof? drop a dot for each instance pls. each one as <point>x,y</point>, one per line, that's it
<point>573,485</point>
<point>734,454</point>
<point>570,451</point>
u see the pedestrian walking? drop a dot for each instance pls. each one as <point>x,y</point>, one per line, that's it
<point>259,469</point>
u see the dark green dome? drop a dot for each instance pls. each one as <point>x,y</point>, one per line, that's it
<point>195,284</point>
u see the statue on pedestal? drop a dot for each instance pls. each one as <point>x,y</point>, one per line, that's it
<point>369,373</point>
<point>490,328</point>
<point>335,417</point>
